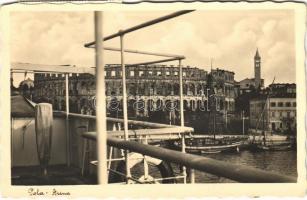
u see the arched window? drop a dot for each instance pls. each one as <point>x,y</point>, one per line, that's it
<point>199,89</point>
<point>185,105</point>
<point>131,111</point>
<point>185,89</point>
<point>192,89</point>
<point>132,89</point>
<point>176,89</point>
<point>159,105</point>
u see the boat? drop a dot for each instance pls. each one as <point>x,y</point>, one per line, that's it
<point>222,148</point>
<point>210,145</point>
<point>271,145</point>
<point>274,147</point>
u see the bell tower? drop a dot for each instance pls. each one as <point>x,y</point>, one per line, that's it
<point>257,68</point>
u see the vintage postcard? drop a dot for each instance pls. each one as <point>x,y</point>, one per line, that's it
<point>198,99</point>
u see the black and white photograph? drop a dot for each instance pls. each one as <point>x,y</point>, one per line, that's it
<point>188,96</point>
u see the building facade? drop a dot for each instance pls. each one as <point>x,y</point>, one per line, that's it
<point>275,112</point>
<point>224,86</point>
<point>152,91</point>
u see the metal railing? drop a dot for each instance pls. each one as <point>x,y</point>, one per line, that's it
<point>239,173</point>
<point>148,133</point>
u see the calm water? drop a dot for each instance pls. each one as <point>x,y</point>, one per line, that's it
<point>283,162</point>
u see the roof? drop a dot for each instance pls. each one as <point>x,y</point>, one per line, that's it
<point>257,54</point>
<point>272,96</point>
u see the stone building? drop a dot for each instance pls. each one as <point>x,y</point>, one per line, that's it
<point>275,112</point>
<point>151,87</point>
<point>224,85</point>
<point>152,92</point>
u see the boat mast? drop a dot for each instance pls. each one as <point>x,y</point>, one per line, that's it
<point>268,113</point>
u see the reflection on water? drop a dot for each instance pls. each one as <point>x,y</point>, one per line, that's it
<point>283,162</point>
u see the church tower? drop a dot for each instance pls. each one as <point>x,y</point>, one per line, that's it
<point>257,68</point>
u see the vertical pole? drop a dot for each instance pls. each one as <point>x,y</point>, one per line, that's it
<point>67,121</point>
<point>181,94</point>
<point>226,119</point>
<point>243,118</point>
<point>182,117</point>
<point>269,116</point>
<point>125,112</point>
<point>100,95</point>
<point>184,169</point>
<point>146,169</point>
<point>192,176</point>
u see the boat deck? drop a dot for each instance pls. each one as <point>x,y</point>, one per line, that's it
<point>57,175</point>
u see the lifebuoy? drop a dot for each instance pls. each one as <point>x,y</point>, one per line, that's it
<point>163,167</point>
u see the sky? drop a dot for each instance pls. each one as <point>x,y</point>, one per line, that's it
<point>228,37</point>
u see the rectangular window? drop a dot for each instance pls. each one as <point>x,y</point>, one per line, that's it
<point>105,74</point>
<point>150,73</point>
<point>294,104</point>
<point>159,73</point>
<point>280,104</point>
<point>184,74</point>
<point>131,73</point>
<point>176,73</point>
<point>273,114</point>
<point>167,73</point>
<point>141,73</point>
<point>288,104</point>
<point>273,104</point>
<point>113,73</point>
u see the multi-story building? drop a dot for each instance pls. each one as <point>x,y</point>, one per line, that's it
<point>275,111</point>
<point>224,85</point>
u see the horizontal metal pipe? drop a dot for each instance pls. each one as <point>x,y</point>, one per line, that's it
<point>228,170</point>
<point>144,52</point>
<point>160,131</point>
<point>39,68</point>
<point>111,119</point>
<point>142,132</point>
<point>154,62</point>
<point>141,123</point>
<point>133,122</point>
<point>143,25</point>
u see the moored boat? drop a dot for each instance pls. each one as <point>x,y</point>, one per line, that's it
<point>271,145</point>
<point>211,145</point>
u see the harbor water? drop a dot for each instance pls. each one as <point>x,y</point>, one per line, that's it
<point>282,162</point>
